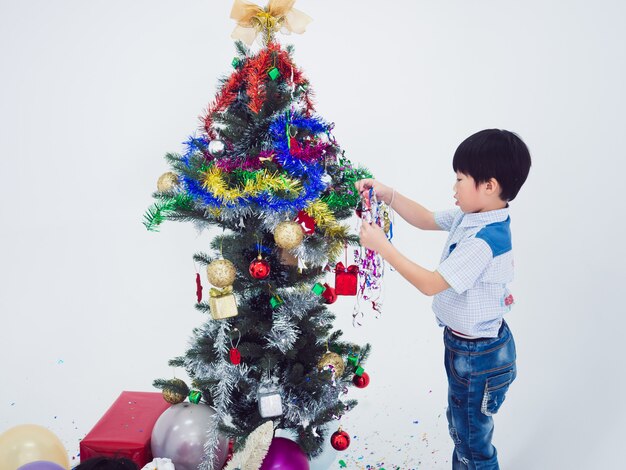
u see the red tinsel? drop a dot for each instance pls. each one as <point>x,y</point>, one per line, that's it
<point>224,98</point>
<point>253,76</point>
<point>255,80</point>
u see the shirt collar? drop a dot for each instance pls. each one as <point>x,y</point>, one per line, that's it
<point>476,219</point>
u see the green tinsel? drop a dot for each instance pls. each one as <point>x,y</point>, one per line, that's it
<point>157,213</point>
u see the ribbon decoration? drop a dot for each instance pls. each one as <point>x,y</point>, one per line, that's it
<point>371,264</point>
<point>278,15</point>
<point>216,293</point>
<point>353,269</point>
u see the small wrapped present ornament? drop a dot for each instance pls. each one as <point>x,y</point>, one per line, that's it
<point>306,222</point>
<point>346,279</point>
<point>222,303</point>
<point>270,401</point>
<point>318,289</point>
<point>276,301</point>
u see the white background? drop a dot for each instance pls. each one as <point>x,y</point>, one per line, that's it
<point>94,93</point>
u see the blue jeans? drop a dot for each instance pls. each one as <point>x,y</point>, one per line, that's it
<point>479,374</point>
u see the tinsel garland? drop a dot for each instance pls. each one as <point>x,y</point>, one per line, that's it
<point>221,393</point>
<point>319,210</point>
<point>280,141</point>
<point>266,200</point>
<point>226,96</point>
<point>254,183</point>
<point>194,145</point>
<point>158,212</point>
<point>348,199</point>
<point>256,76</point>
<point>253,73</point>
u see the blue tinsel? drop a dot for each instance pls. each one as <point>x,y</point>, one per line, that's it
<point>311,173</point>
<point>193,145</point>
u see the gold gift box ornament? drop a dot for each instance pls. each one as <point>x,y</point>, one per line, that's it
<point>222,303</point>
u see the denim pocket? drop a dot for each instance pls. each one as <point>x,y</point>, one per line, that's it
<point>495,392</point>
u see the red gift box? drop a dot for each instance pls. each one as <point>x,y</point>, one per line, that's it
<point>346,279</point>
<point>126,428</point>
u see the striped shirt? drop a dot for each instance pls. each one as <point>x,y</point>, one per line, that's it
<point>477,263</point>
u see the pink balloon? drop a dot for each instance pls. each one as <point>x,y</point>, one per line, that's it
<point>284,454</point>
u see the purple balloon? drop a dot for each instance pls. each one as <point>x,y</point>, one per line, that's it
<point>41,465</point>
<point>284,454</point>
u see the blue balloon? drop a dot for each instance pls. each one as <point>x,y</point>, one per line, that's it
<point>41,465</point>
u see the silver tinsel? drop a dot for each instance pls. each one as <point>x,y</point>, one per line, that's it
<point>301,409</point>
<point>283,334</point>
<point>226,376</point>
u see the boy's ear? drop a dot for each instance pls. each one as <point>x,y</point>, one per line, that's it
<point>492,186</point>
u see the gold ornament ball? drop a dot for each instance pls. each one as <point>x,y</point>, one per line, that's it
<point>174,397</point>
<point>221,273</point>
<point>288,235</point>
<point>167,182</point>
<point>332,359</point>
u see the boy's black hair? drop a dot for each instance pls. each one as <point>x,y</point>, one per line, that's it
<point>494,153</point>
<point>107,463</point>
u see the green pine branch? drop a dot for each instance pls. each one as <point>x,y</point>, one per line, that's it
<point>163,210</point>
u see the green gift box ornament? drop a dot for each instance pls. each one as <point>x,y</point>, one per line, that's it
<point>318,289</point>
<point>274,73</point>
<point>276,301</point>
<point>195,396</point>
<point>353,359</point>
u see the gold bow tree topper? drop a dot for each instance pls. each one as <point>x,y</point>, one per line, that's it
<point>278,15</point>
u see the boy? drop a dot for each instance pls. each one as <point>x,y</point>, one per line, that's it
<point>469,286</point>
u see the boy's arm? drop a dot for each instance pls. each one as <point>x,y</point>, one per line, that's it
<point>414,213</point>
<point>428,282</point>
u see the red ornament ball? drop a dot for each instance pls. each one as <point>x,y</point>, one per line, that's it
<point>329,295</point>
<point>259,268</point>
<point>361,381</point>
<point>340,440</point>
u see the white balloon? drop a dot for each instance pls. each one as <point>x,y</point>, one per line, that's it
<point>180,434</point>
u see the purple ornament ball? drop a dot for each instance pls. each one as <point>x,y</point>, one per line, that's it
<point>285,454</point>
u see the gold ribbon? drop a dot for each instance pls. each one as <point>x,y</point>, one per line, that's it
<point>278,15</point>
<point>214,292</point>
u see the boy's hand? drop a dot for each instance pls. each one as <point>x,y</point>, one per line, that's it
<point>373,237</point>
<point>383,193</point>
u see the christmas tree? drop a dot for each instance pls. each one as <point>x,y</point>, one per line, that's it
<point>268,171</point>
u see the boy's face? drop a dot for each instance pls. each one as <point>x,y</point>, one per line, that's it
<point>469,197</point>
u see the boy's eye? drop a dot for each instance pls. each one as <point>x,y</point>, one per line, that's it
<point>458,179</point>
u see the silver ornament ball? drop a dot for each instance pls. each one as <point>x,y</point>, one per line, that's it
<point>216,147</point>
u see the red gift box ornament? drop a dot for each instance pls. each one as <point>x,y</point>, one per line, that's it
<point>294,146</point>
<point>306,222</point>
<point>346,279</point>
